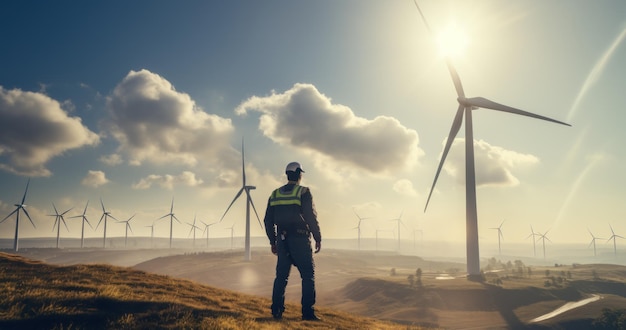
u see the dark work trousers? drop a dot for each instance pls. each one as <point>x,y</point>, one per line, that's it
<point>296,250</point>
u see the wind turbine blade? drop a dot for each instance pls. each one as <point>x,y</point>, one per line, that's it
<point>172,207</point>
<point>175,218</point>
<point>25,191</point>
<point>65,223</point>
<point>28,216</point>
<point>423,18</point>
<point>66,211</point>
<point>102,217</point>
<point>231,203</point>
<point>102,203</point>
<point>455,79</point>
<point>254,208</point>
<point>482,102</point>
<point>456,125</point>
<point>10,214</point>
<point>243,164</point>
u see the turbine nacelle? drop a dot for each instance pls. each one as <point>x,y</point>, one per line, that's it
<point>465,102</point>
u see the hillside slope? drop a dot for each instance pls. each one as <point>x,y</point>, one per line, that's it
<point>36,295</point>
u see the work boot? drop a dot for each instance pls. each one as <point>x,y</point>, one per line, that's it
<point>277,314</point>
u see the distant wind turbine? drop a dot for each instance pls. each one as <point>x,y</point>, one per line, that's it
<point>249,202</point>
<point>21,206</point>
<point>193,229</point>
<point>593,241</point>
<point>466,106</point>
<point>532,237</point>
<point>499,229</point>
<point>358,227</point>
<point>206,230</point>
<point>399,222</point>
<point>151,234</point>
<point>613,237</point>
<point>58,218</point>
<point>232,235</point>
<point>105,216</point>
<point>82,230</point>
<point>172,218</point>
<point>128,227</point>
<point>543,239</point>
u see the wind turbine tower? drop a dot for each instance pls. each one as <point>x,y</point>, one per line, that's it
<point>249,202</point>
<point>82,230</point>
<point>593,241</point>
<point>613,237</point>
<point>105,216</point>
<point>543,239</point>
<point>57,222</point>
<point>172,218</point>
<point>499,229</point>
<point>19,207</point>
<point>532,237</point>
<point>193,229</point>
<point>399,222</point>
<point>358,227</point>
<point>465,109</point>
<point>127,222</point>
<point>206,230</point>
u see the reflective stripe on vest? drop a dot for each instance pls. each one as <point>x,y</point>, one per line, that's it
<point>291,198</point>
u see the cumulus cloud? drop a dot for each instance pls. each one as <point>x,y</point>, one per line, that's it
<point>155,123</point>
<point>404,187</point>
<point>167,181</point>
<point>33,129</point>
<point>302,117</point>
<point>493,165</point>
<point>94,179</point>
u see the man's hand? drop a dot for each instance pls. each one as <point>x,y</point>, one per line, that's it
<point>274,250</point>
<point>318,246</point>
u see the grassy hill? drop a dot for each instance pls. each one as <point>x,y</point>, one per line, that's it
<point>36,295</point>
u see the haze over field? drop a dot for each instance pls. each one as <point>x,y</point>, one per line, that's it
<point>140,103</point>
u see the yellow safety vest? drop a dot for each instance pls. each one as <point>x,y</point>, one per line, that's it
<point>291,198</point>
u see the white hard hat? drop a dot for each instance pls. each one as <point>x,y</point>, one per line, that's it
<point>294,167</point>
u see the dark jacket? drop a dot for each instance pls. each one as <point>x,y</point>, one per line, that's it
<point>303,218</point>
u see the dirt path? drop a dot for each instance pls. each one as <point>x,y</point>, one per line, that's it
<point>567,307</point>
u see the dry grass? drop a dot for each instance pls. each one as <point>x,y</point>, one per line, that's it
<point>36,295</point>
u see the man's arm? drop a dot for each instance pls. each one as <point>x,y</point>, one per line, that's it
<point>310,217</point>
<point>270,229</point>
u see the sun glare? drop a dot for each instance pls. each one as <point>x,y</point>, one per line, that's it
<point>452,41</point>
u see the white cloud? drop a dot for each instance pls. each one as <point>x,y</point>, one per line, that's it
<point>493,165</point>
<point>34,129</point>
<point>112,159</point>
<point>404,187</point>
<point>168,181</point>
<point>94,179</point>
<point>304,118</point>
<point>153,122</point>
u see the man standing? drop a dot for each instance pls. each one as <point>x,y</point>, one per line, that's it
<point>290,220</point>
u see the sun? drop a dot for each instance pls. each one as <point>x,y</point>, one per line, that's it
<point>452,41</point>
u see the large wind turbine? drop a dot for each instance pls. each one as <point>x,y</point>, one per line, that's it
<point>593,241</point>
<point>18,207</point>
<point>613,237</point>
<point>105,216</point>
<point>249,202</point>
<point>127,222</point>
<point>499,229</point>
<point>82,231</point>
<point>172,218</point>
<point>58,218</point>
<point>358,227</point>
<point>466,106</point>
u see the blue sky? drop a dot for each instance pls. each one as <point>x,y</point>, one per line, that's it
<point>144,101</point>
